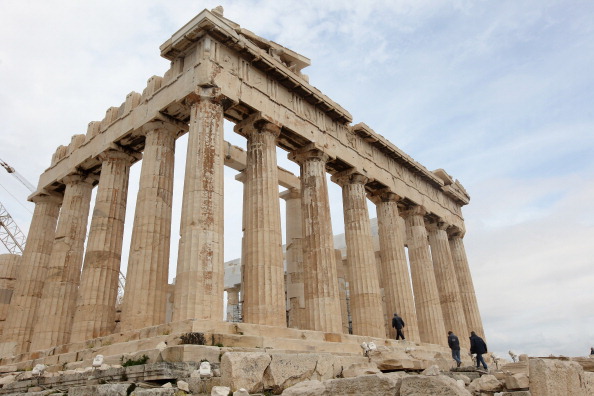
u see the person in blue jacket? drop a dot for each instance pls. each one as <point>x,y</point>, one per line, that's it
<point>454,344</point>
<point>478,346</point>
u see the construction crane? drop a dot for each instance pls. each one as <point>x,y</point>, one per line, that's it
<point>11,235</point>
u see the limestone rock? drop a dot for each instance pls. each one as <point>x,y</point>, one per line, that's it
<point>325,368</point>
<point>220,391</point>
<point>515,368</point>
<point>589,382</point>
<point>306,388</point>
<point>392,360</point>
<point>8,379</point>
<point>100,390</point>
<point>371,385</point>
<point>486,383</point>
<point>433,370</point>
<point>286,370</point>
<point>555,377</point>
<point>439,385</point>
<point>358,369</point>
<point>244,370</point>
<point>183,385</point>
<point>463,378</point>
<point>161,346</point>
<point>152,392</point>
<point>517,381</point>
<point>241,392</point>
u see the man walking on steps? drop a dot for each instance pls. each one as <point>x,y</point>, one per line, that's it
<point>478,346</point>
<point>398,324</point>
<point>454,344</point>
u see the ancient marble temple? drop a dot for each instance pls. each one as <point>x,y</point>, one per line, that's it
<point>66,293</point>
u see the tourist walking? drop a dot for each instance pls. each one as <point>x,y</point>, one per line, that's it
<point>478,346</point>
<point>454,344</point>
<point>398,324</point>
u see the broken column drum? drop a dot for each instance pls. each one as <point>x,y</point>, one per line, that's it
<point>219,71</point>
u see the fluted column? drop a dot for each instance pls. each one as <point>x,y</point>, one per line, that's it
<point>322,302</point>
<point>94,315</point>
<point>447,284</point>
<point>465,284</point>
<point>394,267</point>
<point>31,275</point>
<point>264,291</point>
<point>429,315</point>
<point>364,288</point>
<point>58,298</point>
<point>341,273</point>
<point>232,303</point>
<point>145,292</point>
<point>240,177</point>
<point>294,258</point>
<point>200,271</point>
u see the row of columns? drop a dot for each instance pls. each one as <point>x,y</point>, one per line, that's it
<point>65,312</point>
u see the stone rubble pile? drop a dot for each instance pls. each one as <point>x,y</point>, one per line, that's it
<point>251,371</point>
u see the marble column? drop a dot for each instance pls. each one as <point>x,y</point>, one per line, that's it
<point>322,303</point>
<point>58,298</point>
<point>428,306</point>
<point>341,273</point>
<point>94,315</point>
<point>364,288</point>
<point>394,269</point>
<point>294,259</point>
<point>447,284</point>
<point>465,284</point>
<point>232,304</point>
<point>199,285</point>
<point>240,177</point>
<point>31,275</point>
<point>146,289</point>
<point>264,291</point>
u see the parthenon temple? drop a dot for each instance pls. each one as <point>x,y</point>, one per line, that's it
<point>66,283</point>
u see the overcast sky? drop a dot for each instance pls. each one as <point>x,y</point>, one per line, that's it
<point>500,94</point>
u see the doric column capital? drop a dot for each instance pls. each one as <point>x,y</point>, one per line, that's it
<point>436,225</point>
<point>79,177</point>
<point>384,195</point>
<point>416,210</point>
<point>455,232</point>
<point>171,126</point>
<point>202,94</point>
<point>291,193</point>
<point>118,152</point>
<point>258,123</point>
<point>47,196</point>
<point>310,152</point>
<point>350,176</point>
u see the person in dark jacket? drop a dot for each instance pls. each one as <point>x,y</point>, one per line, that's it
<point>478,346</point>
<point>454,344</point>
<point>398,324</point>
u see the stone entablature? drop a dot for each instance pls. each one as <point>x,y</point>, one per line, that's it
<point>212,51</point>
